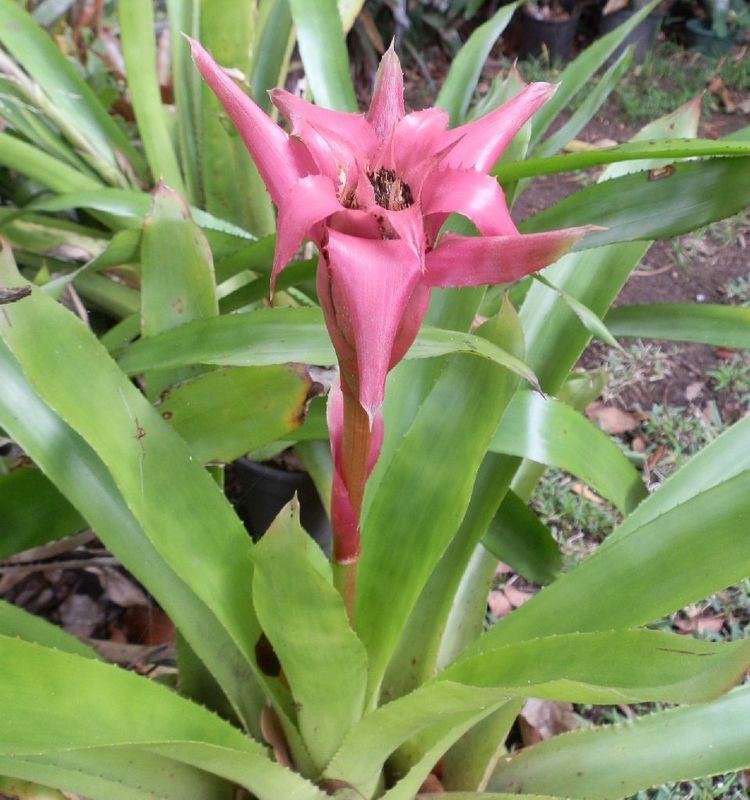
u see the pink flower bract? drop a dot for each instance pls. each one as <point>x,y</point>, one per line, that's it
<point>373,191</point>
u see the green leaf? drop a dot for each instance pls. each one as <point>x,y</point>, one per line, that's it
<point>18,114</point>
<point>22,790</point>
<point>279,336</point>
<point>232,186</point>
<point>617,760</point>
<point>429,629</point>
<point>630,151</point>
<point>274,41</point>
<point>305,620</point>
<point>174,507</point>
<point>463,75</point>
<point>728,456</point>
<point>606,668</point>
<point>41,167</point>
<point>177,276</point>
<point>380,733</point>
<point>115,298</point>
<point>122,249</point>
<point>52,701</point>
<point>402,545</point>
<point>36,233</point>
<point>471,761</point>
<point>418,651</point>
<point>486,796</point>
<point>323,49</point>
<point>67,91</point>
<point>130,206</point>
<point>550,432</point>
<point>79,474</point>
<point>722,326</point>
<point>33,512</point>
<point>256,256</point>
<point>231,411</point>
<point>183,18</point>
<point>18,623</point>
<point>594,277</point>
<point>648,571</point>
<point>577,74</point>
<point>653,205</point>
<point>594,100</point>
<point>588,318</point>
<point>519,538</point>
<point>349,11</point>
<point>417,759</point>
<point>139,52</point>
<point>122,773</point>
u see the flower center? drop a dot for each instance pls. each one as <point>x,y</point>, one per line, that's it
<point>390,191</point>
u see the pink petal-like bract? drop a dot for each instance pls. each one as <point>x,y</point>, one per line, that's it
<point>371,283</point>
<point>267,143</point>
<point>387,105</point>
<point>373,191</point>
<point>349,126</point>
<point>479,144</point>
<point>307,203</point>
<point>471,193</point>
<point>478,260</point>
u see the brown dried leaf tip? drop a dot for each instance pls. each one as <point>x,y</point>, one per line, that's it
<point>14,295</point>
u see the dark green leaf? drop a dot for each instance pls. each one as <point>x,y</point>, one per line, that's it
<point>610,762</point>
<point>672,149</point>
<point>722,326</point>
<point>653,205</point>
<point>33,512</point>
<point>323,49</point>
<point>519,538</point>
<point>550,432</point>
<point>403,541</point>
<point>461,80</point>
<point>139,52</point>
<point>231,411</point>
<point>306,621</point>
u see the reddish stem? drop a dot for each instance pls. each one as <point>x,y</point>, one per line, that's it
<point>356,462</point>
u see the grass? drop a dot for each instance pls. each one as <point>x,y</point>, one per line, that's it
<point>636,364</point>
<point>670,77</point>
<point>733,376</point>
<point>737,291</point>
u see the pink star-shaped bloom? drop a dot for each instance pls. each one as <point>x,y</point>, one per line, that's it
<point>373,191</point>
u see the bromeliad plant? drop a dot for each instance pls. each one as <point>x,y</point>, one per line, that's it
<point>388,686</point>
<point>373,193</point>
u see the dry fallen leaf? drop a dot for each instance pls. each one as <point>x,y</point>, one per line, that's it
<point>119,589</point>
<point>612,419</point>
<point>517,597</point>
<point>586,493</point>
<point>543,719</point>
<point>693,390</point>
<point>80,614</point>
<point>499,604</point>
<point>655,457</point>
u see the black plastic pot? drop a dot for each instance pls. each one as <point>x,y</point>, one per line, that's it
<point>700,37</point>
<point>642,36</point>
<point>556,36</point>
<point>259,491</point>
